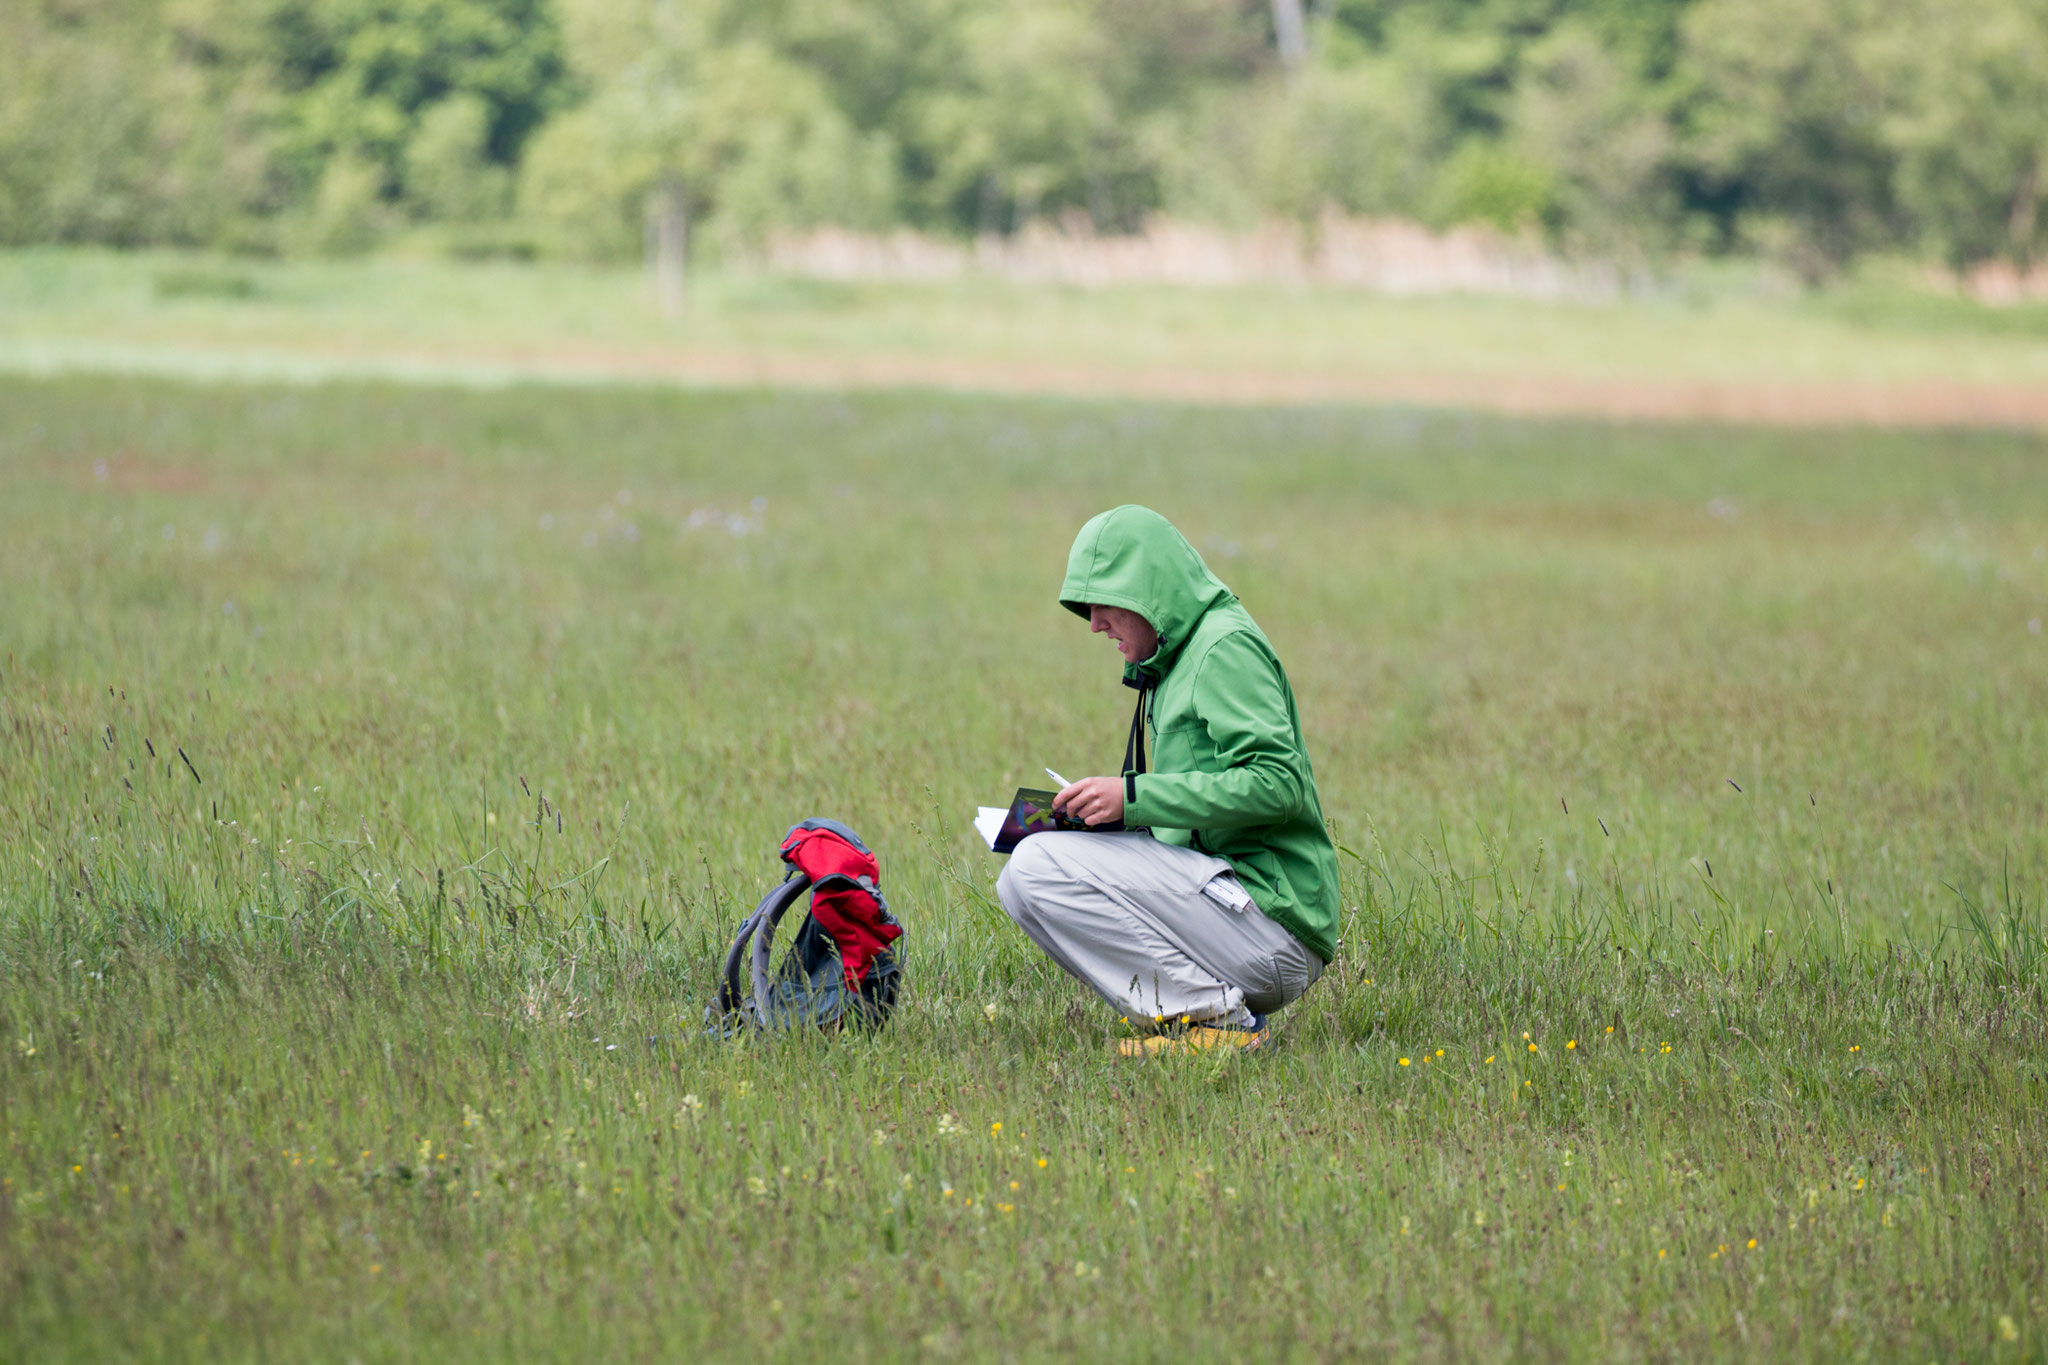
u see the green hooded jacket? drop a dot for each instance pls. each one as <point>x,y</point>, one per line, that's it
<point>1229,773</point>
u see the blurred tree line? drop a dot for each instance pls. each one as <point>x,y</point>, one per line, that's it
<point>1811,130</point>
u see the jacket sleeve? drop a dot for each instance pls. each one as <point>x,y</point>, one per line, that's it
<point>1240,699</point>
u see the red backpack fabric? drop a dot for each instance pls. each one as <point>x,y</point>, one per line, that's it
<point>846,885</point>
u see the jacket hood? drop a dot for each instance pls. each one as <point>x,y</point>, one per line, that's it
<point>1132,557</point>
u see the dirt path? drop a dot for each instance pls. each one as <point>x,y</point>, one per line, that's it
<point>1531,395</point>
<point>1930,404</point>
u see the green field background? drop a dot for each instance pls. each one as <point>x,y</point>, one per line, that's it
<point>188,314</point>
<point>384,766</point>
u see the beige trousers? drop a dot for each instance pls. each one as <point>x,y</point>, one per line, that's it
<point>1159,931</point>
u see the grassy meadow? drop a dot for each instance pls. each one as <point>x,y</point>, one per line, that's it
<point>1700,339</point>
<point>384,767</point>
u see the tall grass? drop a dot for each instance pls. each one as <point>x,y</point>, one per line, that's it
<point>368,840</point>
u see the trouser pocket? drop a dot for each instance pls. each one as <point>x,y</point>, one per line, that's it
<point>1225,890</point>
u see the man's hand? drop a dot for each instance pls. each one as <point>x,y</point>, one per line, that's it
<point>1092,800</point>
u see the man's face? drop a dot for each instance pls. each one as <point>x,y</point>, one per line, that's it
<point>1131,633</point>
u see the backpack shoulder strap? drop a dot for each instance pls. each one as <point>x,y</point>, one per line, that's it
<point>761,985</point>
<point>758,929</point>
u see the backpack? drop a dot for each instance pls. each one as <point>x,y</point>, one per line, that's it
<point>840,965</point>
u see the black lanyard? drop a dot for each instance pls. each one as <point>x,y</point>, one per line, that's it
<point>1134,747</point>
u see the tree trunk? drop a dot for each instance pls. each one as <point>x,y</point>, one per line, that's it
<point>667,240</point>
<point>1290,32</point>
<point>2019,222</point>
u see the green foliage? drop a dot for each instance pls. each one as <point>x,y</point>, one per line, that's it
<point>1364,139</point>
<point>752,138</point>
<point>1785,120</point>
<point>1487,183</point>
<point>1810,130</point>
<point>449,173</point>
<point>115,128</point>
<point>1601,140</point>
<point>360,75</point>
<point>348,212</point>
<point>1027,118</point>
<point>1969,115</point>
<point>246,122</point>
<point>571,188</point>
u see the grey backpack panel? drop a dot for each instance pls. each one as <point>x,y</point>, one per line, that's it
<point>808,989</point>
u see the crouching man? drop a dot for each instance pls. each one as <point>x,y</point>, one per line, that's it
<point>1226,910</point>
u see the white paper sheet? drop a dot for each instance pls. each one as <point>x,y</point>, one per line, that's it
<point>988,822</point>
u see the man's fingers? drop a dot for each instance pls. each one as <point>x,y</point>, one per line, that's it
<point>1094,801</point>
<point>1087,800</point>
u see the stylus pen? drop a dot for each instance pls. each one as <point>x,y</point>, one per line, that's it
<point>1057,778</point>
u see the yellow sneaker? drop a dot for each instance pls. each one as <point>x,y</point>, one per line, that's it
<point>1205,1037</point>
